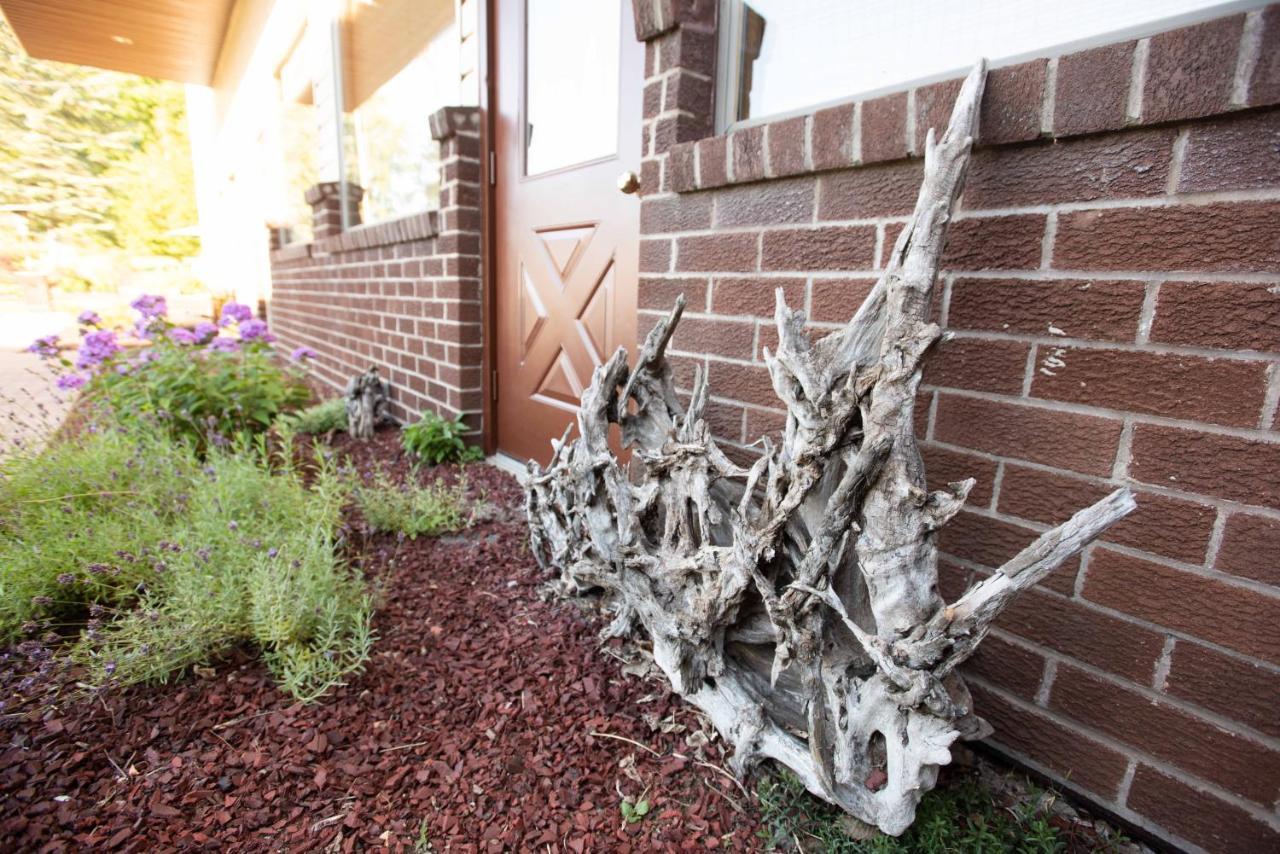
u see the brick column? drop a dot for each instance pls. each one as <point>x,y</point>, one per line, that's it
<point>458,383</point>
<point>326,207</point>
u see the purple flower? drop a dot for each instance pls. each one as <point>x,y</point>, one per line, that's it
<point>89,318</point>
<point>225,345</point>
<point>45,348</point>
<point>205,330</point>
<point>150,306</point>
<point>273,551</point>
<point>235,312</point>
<point>67,382</point>
<point>97,347</point>
<point>182,336</point>
<point>66,578</point>
<point>254,329</point>
<point>110,667</point>
<point>303,353</point>
<point>42,601</point>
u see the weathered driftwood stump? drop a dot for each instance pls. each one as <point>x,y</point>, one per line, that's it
<point>367,396</point>
<point>796,602</point>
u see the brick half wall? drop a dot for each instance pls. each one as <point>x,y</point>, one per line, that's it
<point>403,295</point>
<point>1112,284</point>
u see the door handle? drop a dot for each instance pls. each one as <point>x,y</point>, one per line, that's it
<point>628,182</point>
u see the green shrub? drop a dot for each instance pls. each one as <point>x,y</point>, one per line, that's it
<point>958,817</point>
<point>435,440</point>
<point>412,510</point>
<point>328,416</point>
<point>165,559</point>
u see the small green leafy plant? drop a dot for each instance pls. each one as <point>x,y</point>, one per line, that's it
<point>411,509</point>
<point>434,440</point>
<point>634,812</point>
<point>329,416</point>
<point>958,817</point>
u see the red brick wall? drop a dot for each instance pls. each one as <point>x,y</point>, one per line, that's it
<point>402,295</point>
<point>1113,287</point>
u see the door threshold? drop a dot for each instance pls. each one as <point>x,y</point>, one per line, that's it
<point>507,463</point>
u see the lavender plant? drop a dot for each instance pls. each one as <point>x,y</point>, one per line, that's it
<point>411,509</point>
<point>131,557</point>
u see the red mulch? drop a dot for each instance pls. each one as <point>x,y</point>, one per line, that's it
<point>473,717</point>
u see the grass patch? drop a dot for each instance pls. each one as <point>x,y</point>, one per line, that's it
<point>137,558</point>
<point>412,509</point>
<point>957,818</point>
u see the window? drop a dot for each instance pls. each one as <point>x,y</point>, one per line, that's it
<point>399,65</point>
<point>571,82</point>
<point>299,129</point>
<point>784,55</point>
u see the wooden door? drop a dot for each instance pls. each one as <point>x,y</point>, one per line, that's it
<point>567,116</point>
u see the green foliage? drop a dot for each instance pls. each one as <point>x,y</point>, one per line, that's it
<point>411,509</point>
<point>328,416</point>
<point>94,153</point>
<point>175,559</point>
<point>954,819</point>
<point>435,440</point>
<point>198,394</point>
<point>634,812</point>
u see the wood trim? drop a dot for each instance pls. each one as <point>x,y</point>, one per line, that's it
<point>488,248</point>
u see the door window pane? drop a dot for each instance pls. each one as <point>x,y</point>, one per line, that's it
<point>571,74</point>
<point>786,54</point>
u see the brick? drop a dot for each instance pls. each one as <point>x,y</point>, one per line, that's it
<point>1208,608</point>
<point>1190,71</point>
<point>1068,753</point>
<point>944,466</point>
<point>1250,545</point>
<point>713,162</point>
<point>831,139</point>
<point>786,147</point>
<point>1264,84</point>
<point>1239,153</point>
<point>1233,761</point>
<point>689,93</point>
<point>871,191</point>
<point>675,213</point>
<point>1074,629</point>
<point>993,542</point>
<point>747,383</point>
<point>655,256</point>
<point>1124,165</point>
<point>1097,309</point>
<point>659,293</point>
<point>933,110</point>
<point>1007,666</point>
<point>651,181</point>
<point>884,128</point>
<point>1233,687</point>
<point>732,253</point>
<point>769,203</point>
<point>1215,390</point>
<point>730,339</point>
<point>688,47</point>
<point>652,99</point>
<point>1228,315</point>
<point>822,248</point>
<point>737,296</point>
<point>1166,526</point>
<point>1083,443</point>
<point>1228,237</point>
<point>994,243</point>
<point>1093,89</point>
<point>725,420</point>
<point>1196,815</point>
<point>747,149</point>
<point>761,422</point>
<point>1011,103</point>
<point>1231,467</point>
<point>680,171</point>
<point>836,300</point>
<point>978,364</point>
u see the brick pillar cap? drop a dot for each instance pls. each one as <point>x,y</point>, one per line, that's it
<point>448,122</point>
<point>326,190</point>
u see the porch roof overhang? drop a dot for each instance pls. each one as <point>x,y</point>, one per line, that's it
<point>169,39</point>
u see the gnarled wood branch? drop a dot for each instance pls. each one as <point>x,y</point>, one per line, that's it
<point>796,602</point>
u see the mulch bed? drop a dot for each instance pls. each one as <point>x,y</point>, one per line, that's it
<point>471,728</point>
